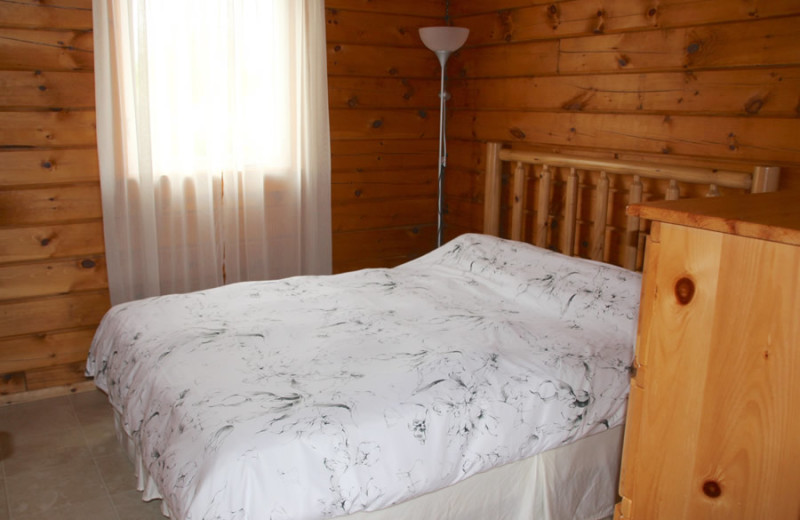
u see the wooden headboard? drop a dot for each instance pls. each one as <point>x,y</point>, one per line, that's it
<point>567,203</point>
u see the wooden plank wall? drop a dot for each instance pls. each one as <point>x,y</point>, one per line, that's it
<point>684,81</point>
<point>53,282</point>
<point>384,113</point>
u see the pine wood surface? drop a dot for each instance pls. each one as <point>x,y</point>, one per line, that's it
<point>510,20</point>
<point>49,50</point>
<point>389,247</point>
<point>364,156</point>
<point>29,243</point>
<point>50,205</point>
<point>755,43</point>
<point>357,186</point>
<point>67,376</point>
<point>731,138</point>
<point>53,282</point>
<point>383,95</point>
<point>716,176</point>
<point>37,89</point>
<point>575,204</point>
<point>770,92</point>
<point>512,59</point>
<point>430,8</point>
<point>52,313</point>
<point>26,168</point>
<point>20,354</point>
<point>383,124</point>
<point>47,129</point>
<point>53,14</point>
<point>711,426</point>
<point>372,214</point>
<point>370,60</point>
<point>766,216</point>
<point>376,27</point>
<point>54,277</point>
<point>694,82</point>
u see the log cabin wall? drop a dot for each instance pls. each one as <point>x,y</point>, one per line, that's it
<point>384,113</point>
<point>683,81</point>
<point>53,282</point>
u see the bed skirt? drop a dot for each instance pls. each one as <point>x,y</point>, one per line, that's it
<point>577,481</point>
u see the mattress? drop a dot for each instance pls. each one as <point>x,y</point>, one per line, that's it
<point>318,397</point>
<point>577,481</point>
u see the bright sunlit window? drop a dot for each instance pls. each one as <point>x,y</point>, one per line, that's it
<point>218,77</point>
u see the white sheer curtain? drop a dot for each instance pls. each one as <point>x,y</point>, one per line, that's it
<point>213,141</point>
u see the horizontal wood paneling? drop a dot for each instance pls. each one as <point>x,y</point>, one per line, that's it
<point>377,155</point>
<point>764,92</point>
<point>382,149</point>
<point>465,184</point>
<point>517,59</point>
<point>50,205</point>
<point>55,241</point>
<point>37,315</point>
<point>389,247</point>
<point>397,93</point>
<point>374,28</point>
<point>48,166</point>
<point>757,43</point>
<point>701,136</point>
<point>26,89</point>
<point>53,281</point>
<point>555,19</point>
<point>57,375</point>
<point>383,87</point>
<point>694,82</point>
<point>430,8</point>
<point>349,59</point>
<point>465,216</point>
<point>63,128</point>
<point>618,14</point>
<point>384,124</point>
<point>12,383</point>
<point>547,20</point>
<point>22,353</point>
<point>49,50</point>
<point>57,277</point>
<point>53,14</point>
<point>378,214</point>
<point>383,185</point>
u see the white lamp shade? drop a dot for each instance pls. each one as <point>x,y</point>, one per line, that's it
<point>447,39</point>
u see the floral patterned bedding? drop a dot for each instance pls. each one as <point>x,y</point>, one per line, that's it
<point>315,397</point>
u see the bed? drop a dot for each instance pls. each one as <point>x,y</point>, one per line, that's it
<point>486,379</point>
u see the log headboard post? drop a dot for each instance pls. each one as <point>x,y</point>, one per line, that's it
<point>765,178</point>
<point>616,176</point>
<point>491,196</point>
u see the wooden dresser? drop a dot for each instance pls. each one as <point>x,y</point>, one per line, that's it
<point>713,428</point>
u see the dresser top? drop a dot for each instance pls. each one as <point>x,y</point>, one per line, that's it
<point>769,216</point>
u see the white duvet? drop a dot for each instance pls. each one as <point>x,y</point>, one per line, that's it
<point>314,397</point>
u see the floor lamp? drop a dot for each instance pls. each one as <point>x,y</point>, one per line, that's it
<point>443,41</point>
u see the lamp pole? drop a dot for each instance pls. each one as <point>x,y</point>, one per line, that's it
<point>443,41</point>
<point>442,55</point>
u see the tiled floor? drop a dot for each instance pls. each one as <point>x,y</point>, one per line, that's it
<point>60,460</point>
